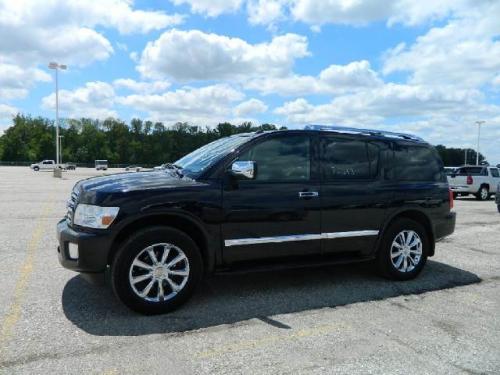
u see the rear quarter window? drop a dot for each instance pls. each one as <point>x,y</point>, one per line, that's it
<point>417,163</point>
<point>472,171</point>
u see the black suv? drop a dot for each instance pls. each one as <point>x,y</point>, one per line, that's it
<point>288,198</point>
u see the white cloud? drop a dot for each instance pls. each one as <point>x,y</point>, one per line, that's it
<point>141,86</point>
<point>211,8</point>
<point>465,52</point>
<point>35,32</point>
<point>250,107</point>
<point>134,56</point>
<point>352,12</point>
<point>15,81</point>
<point>204,106</point>
<point>94,100</point>
<point>7,112</point>
<point>386,102</point>
<point>334,79</point>
<point>496,81</point>
<point>211,56</point>
<point>264,12</point>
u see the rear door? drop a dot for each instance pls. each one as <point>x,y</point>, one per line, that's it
<point>278,213</point>
<point>354,192</point>
<point>495,177</point>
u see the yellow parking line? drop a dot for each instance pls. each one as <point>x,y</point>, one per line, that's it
<point>14,311</point>
<point>252,344</point>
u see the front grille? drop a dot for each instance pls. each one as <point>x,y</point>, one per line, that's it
<point>71,206</point>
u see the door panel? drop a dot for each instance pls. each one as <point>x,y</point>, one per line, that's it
<point>261,220</point>
<point>354,193</point>
<point>268,217</point>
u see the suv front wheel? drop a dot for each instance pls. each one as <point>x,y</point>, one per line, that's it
<point>404,249</point>
<point>156,270</point>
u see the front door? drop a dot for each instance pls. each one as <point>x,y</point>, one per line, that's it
<point>278,212</point>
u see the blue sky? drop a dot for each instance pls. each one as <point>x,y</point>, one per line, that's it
<point>429,68</point>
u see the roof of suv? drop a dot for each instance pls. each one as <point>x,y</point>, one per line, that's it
<point>342,130</point>
<point>369,132</point>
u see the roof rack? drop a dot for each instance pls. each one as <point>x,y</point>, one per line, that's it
<point>380,133</point>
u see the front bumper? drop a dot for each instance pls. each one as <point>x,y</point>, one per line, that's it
<point>92,253</point>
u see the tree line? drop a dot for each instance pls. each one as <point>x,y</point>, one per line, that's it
<point>145,143</point>
<point>85,140</point>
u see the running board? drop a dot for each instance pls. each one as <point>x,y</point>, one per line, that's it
<point>296,263</point>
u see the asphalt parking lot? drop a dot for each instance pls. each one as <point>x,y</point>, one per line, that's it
<point>329,320</point>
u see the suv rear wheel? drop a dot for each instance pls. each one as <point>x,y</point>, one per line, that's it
<point>404,249</point>
<point>483,193</point>
<point>156,270</point>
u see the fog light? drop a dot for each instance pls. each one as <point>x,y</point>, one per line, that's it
<point>73,250</point>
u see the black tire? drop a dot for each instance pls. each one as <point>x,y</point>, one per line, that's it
<point>384,263</point>
<point>483,194</point>
<point>36,169</point>
<point>132,247</point>
<point>498,207</point>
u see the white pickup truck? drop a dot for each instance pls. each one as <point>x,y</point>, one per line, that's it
<point>44,164</point>
<point>51,164</point>
<point>482,181</point>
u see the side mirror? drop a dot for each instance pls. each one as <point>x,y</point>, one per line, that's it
<point>243,169</point>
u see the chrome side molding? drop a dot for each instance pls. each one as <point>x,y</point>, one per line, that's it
<point>299,237</point>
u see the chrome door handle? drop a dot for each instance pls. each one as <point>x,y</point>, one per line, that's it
<point>308,194</point>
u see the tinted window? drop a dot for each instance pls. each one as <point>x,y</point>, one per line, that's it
<point>416,163</point>
<point>471,171</point>
<point>348,159</point>
<point>281,159</point>
<point>494,172</point>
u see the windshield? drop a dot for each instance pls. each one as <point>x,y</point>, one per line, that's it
<point>199,160</point>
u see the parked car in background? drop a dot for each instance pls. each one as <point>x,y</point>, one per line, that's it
<point>265,200</point>
<point>135,168</point>
<point>50,165</point>
<point>449,170</point>
<point>43,165</point>
<point>497,197</point>
<point>160,167</point>
<point>70,166</point>
<point>101,165</point>
<point>482,181</point>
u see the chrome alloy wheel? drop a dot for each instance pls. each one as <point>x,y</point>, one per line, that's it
<point>159,272</point>
<point>406,251</point>
<point>484,193</point>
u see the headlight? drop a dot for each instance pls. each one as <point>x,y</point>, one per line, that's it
<point>90,216</point>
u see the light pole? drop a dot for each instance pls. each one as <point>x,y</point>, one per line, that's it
<point>465,163</point>
<point>60,148</point>
<point>56,67</point>
<point>479,123</point>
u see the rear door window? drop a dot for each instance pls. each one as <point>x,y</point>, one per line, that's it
<point>494,172</point>
<point>348,159</point>
<point>417,163</point>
